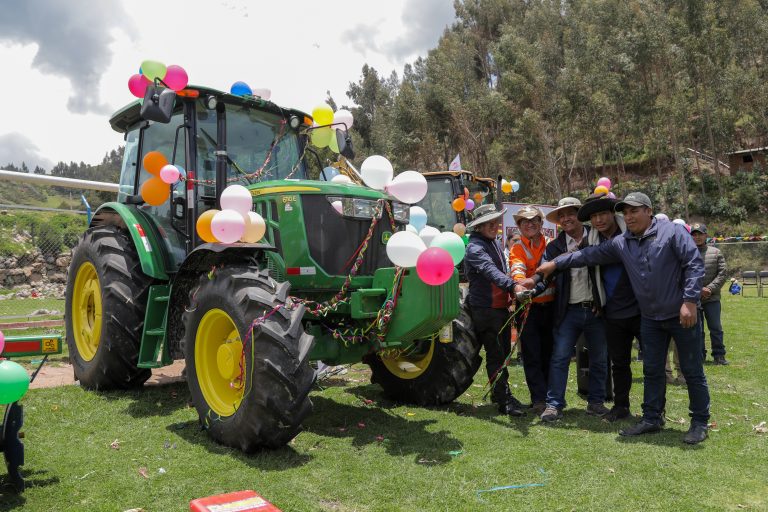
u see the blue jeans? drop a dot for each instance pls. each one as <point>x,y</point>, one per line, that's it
<point>711,311</point>
<point>656,335</point>
<point>578,320</point>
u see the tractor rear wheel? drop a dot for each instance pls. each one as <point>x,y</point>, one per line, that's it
<point>105,304</point>
<point>249,384</point>
<point>431,372</point>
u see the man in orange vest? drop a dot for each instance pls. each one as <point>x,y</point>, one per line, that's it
<point>536,336</point>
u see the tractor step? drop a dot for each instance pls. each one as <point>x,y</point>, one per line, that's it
<point>153,352</point>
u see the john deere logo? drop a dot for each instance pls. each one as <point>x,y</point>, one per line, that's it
<point>385,236</point>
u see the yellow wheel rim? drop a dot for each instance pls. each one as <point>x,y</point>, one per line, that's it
<point>411,364</point>
<point>218,355</point>
<point>86,311</point>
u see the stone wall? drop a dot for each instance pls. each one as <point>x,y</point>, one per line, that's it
<point>33,273</point>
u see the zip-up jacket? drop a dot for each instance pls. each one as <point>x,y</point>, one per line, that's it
<point>555,248</point>
<point>489,286</point>
<point>663,265</point>
<point>714,271</point>
<point>523,260</point>
<point>620,301</point>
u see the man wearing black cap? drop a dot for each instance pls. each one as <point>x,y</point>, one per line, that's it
<point>489,288</point>
<point>620,309</point>
<point>666,270</point>
<point>714,278</point>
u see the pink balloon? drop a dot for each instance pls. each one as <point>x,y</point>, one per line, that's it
<point>170,174</point>
<point>605,182</point>
<point>469,205</point>
<point>435,266</point>
<point>176,78</point>
<point>137,84</point>
<point>228,226</point>
<point>2,342</point>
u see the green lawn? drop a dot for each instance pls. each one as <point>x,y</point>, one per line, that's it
<point>357,455</point>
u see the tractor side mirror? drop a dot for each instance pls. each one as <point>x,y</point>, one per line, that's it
<point>158,104</point>
<point>344,141</point>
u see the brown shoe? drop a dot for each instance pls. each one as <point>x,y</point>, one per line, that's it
<point>538,408</point>
<point>597,409</point>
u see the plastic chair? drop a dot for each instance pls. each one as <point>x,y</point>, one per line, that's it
<point>762,279</point>
<point>749,278</point>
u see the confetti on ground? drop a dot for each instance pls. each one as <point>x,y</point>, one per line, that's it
<point>380,438</point>
<point>162,471</point>
<point>115,445</point>
<point>410,414</point>
<point>518,486</point>
<point>143,472</point>
<point>361,425</point>
<point>427,461</point>
<point>455,453</point>
<point>760,428</point>
<point>342,429</point>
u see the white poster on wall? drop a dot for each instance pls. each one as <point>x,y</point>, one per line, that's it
<point>510,228</point>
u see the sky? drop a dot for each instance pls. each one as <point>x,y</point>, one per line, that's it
<point>66,63</point>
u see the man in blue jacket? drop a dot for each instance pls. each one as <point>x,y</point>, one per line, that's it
<point>666,271</point>
<point>489,289</point>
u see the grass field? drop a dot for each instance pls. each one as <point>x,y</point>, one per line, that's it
<point>360,452</point>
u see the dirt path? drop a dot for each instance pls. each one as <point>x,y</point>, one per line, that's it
<point>62,375</point>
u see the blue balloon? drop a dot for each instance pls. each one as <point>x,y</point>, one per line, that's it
<point>240,89</point>
<point>418,218</point>
<point>515,186</point>
<point>328,173</point>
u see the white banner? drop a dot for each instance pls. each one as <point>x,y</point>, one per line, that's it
<point>510,228</point>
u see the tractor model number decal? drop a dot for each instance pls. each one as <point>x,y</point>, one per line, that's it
<point>290,199</point>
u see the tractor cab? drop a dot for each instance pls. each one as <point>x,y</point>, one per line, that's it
<point>444,187</point>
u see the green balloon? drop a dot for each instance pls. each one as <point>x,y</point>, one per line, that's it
<point>320,137</point>
<point>14,382</point>
<point>466,239</point>
<point>452,243</point>
<point>333,142</point>
<point>153,69</point>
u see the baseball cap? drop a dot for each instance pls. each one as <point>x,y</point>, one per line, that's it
<point>634,199</point>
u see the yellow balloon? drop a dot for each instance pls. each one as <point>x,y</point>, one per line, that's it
<point>204,226</point>
<point>506,187</point>
<point>320,137</point>
<point>255,227</point>
<point>155,191</point>
<point>322,114</point>
<point>601,189</point>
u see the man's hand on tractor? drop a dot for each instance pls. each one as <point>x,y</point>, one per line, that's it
<point>706,293</point>
<point>688,314</point>
<point>546,268</point>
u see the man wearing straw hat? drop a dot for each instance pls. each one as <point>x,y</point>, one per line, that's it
<point>489,289</point>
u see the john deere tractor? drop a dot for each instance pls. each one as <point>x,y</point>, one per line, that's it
<point>145,290</point>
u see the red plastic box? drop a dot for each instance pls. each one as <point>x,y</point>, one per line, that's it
<point>241,501</point>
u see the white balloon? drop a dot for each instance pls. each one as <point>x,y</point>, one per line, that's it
<point>662,216</point>
<point>679,221</point>
<point>255,227</point>
<point>341,178</point>
<point>408,187</point>
<point>411,229</point>
<point>238,198</point>
<point>263,93</point>
<point>228,226</point>
<point>376,171</point>
<point>417,217</point>
<point>404,248</point>
<point>428,234</point>
<point>338,206</point>
<point>343,116</point>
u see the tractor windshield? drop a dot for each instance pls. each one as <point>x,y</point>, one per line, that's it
<point>250,136</point>
<point>437,204</point>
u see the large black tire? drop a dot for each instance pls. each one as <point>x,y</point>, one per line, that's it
<point>436,379</point>
<point>277,377</point>
<point>106,284</point>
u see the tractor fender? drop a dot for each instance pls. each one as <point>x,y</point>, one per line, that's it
<point>149,246</point>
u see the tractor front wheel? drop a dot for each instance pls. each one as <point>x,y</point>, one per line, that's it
<point>247,359</point>
<point>105,305</point>
<point>430,372</point>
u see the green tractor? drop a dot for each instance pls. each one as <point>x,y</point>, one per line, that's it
<point>444,187</point>
<point>145,290</point>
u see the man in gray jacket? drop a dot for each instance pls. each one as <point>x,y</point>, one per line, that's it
<point>714,278</point>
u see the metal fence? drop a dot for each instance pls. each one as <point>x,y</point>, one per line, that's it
<point>35,252</point>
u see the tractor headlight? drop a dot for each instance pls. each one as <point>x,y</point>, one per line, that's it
<point>401,211</point>
<point>354,207</point>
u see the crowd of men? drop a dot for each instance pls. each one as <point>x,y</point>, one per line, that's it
<point>627,275</point>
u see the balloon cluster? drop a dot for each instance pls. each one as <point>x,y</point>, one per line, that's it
<point>407,187</point>
<point>234,222</point>
<point>243,89</point>
<point>604,187</point>
<point>156,191</point>
<point>434,254</point>
<point>14,379</point>
<point>173,76</point>
<point>509,186</point>
<point>327,123</point>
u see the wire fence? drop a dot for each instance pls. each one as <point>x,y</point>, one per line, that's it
<point>35,252</point>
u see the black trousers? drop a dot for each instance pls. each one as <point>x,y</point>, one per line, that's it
<point>536,341</point>
<point>620,333</point>
<point>488,323</point>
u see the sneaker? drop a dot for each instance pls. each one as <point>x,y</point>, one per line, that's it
<point>721,360</point>
<point>538,408</point>
<point>695,434</point>
<point>617,413</point>
<point>639,428</point>
<point>510,408</point>
<point>597,409</point>
<point>551,413</point>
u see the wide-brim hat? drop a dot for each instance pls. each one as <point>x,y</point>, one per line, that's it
<point>527,212</point>
<point>594,204</point>
<point>485,213</point>
<point>564,203</point>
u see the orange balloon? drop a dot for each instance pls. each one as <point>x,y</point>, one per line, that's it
<point>459,204</point>
<point>155,192</point>
<point>478,198</point>
<point>204,226</point>
<point>154,161</point>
